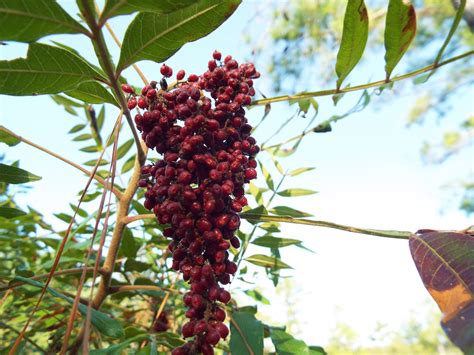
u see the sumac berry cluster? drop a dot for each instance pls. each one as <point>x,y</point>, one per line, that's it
<point>198,187</point>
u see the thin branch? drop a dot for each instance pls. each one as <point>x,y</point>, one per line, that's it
<point>130,219</point>
<point>62,245</point>
<point>308,222</point>
<point>65,160</point>
<point>107,65</point>
<point>131,288</point>
<point>378,83</point>
<point>374,232</point>
<point>58,273</point>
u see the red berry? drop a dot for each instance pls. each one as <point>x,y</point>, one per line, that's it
<point>128,89</point>
<point>180,74</point>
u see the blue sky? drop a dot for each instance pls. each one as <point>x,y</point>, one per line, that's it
<point>368,174</point>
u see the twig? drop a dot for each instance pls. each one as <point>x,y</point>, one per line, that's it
<point>378,83</point>
<point>67,161</point>
<point>131,288</point>
<point>58,273</point>
<point>374,232</point>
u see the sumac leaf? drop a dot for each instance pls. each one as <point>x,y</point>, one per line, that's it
<point>275,242</point>
<point>296,192</point>
<point>400,29</point>
<point>124,148</point>
<point>299,171</point>
<point>246,334</point>
<point>8,212</point>
<point>156,37</point>
<point>119,7</point>
<point>445,262</point>
<point>93,93</point>
<point>46,70</point>
<point>354,39</point>
<point>29,20</point>
<point>288,211</point>
<point>7,137</point>
<point>267,261</point>
<point>101,321</point>
<point>13,175</point>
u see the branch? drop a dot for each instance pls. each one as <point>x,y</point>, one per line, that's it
<point>58,273</point>
<point>375,232</point>
<point>116,192</point>
<point>130,219</point>
<point>310,94</point>
<point>107,65</point>
<point>129,288</point>
<point>308,222</point>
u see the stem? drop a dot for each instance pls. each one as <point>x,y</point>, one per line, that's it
<point>374,232</point>
<point>308,222</point>
<point>122,212</point>
<point>107,65</point>
<point>128,288</point>
<point>130,219</point>
<point>58,273</point>
<point>67,161</point>
<point>310,94</point>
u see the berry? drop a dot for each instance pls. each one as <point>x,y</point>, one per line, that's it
<point>166,71</point>
<point>197,188</point>
<point>180,75</point>
<point>128,89</point>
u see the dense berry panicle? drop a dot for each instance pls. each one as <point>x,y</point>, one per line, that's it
<point>197,188</point>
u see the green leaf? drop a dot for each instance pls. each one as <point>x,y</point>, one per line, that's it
<point>29,20</point>
<point>288,211</point>
<point>118,348</point>
<point>156,37</point>
<point>354,39</point>
<point>90,149</point>
<point>7,137</point>
<point>68,104</point>
<point>80,211</point>
<point>124,148</point>
<point>267,176</point>
<point>103,323</point>
<point>83,137</point>
<point>274,242</point>
<point>445,261</point>
<point>63,217</point>
<point>257,296</point>
<point>299,171</point>
<point>257,192</point>
<point>94,161</point>
<point>134,265</point>
<point>120,7</point>
<point>267,261</point>
<point>129,247</point>
<point>246,332</point>
<point>316,350</point>
<point>286,344</point>
<point>128,165</point>
<point>46,70</point>
<point>93,93</point>
<point>260,210</point>
<point>77,128</point>
<point>8,212</point>
<point>296,192</point>
<point>400,29</point>
<point>13,175</point>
